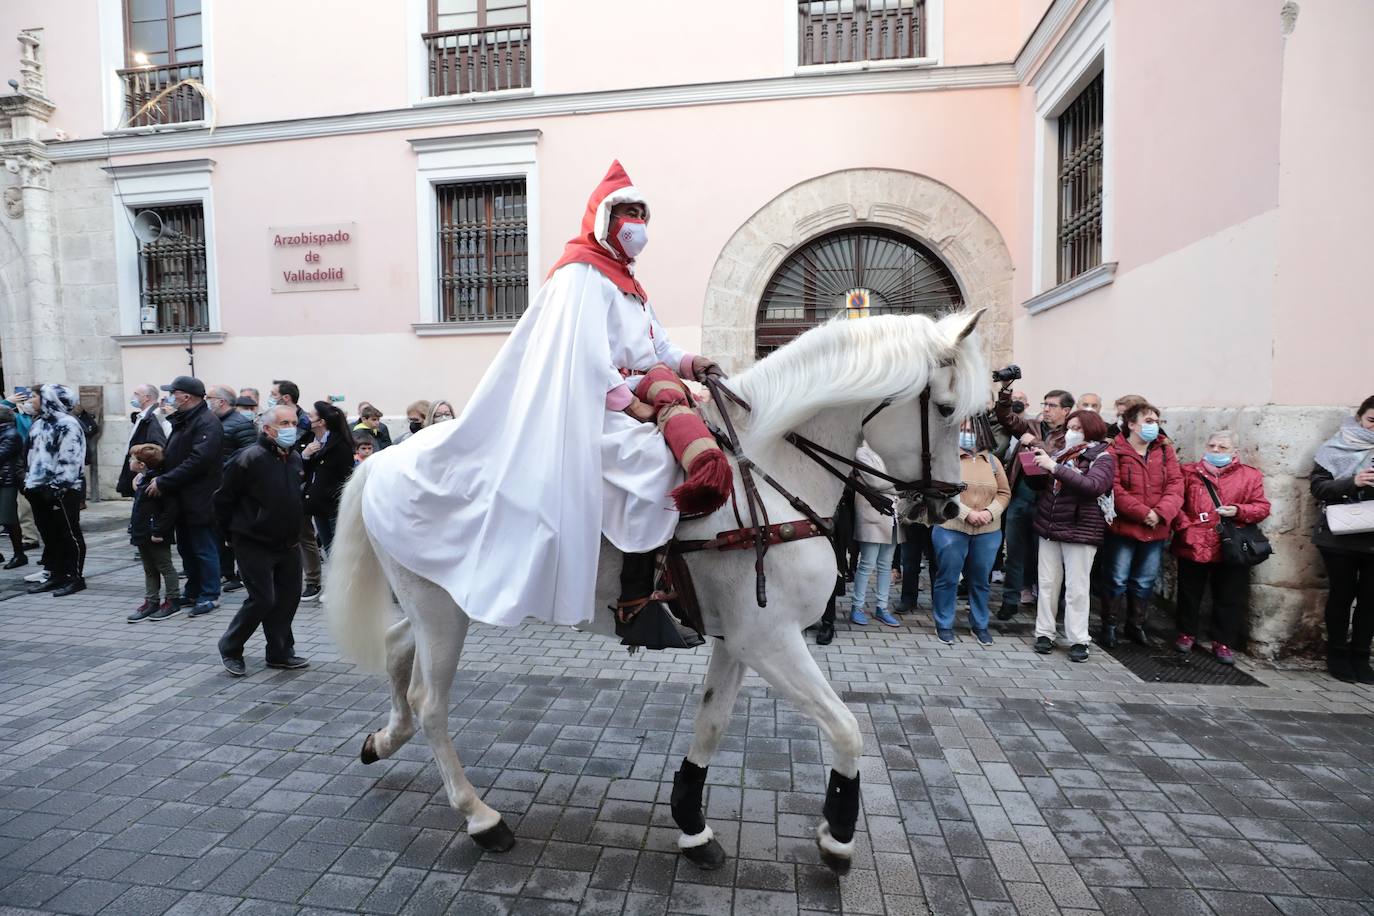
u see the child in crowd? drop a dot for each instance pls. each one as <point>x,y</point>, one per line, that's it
<point>150,530</point>
<point>363,446</point>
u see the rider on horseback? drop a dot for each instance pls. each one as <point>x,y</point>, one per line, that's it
<point>579,428</point>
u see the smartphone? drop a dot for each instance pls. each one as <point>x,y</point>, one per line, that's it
<point>22,390</point>
<point>1028,465</point>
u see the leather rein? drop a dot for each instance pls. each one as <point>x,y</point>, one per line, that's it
<point>760,536</point>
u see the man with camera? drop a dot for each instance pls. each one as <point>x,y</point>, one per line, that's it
<point>1046,433</point>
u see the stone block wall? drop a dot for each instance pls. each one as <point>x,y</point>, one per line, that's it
<point>1288,592</point>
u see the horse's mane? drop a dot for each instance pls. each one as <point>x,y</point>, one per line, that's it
<point>844,363</point>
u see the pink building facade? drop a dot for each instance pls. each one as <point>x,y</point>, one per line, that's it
<point>1221,189</point>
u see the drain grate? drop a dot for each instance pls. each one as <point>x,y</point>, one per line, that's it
<point>1161,664</point>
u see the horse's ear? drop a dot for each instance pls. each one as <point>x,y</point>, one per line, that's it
<point>969,327</point>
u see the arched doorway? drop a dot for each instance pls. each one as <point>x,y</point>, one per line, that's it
<point>863,271</point>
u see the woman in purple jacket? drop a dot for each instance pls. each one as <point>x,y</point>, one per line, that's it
<point>1071,522</point>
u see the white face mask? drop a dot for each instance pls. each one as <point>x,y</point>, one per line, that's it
<point>1072,438</point>
<point>631,237</point>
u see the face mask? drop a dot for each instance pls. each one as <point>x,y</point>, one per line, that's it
<point>1091,408</point>
<point>133,402</point>
<point>272,402</point>
<point>968,441</point>
<point>416,425</point>
<point>286,438</point>
<point>1073,438</point>
<point>629,236</point>
<point>1149,431</point>
<point>247,412</point>
<point>1018,406</point>
<point>442,419</point>
<point>1217,459</point>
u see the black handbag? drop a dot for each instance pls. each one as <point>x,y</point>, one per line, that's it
<point>1241,545</point>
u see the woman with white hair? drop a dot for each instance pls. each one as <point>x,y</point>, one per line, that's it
<point>1218,488</point>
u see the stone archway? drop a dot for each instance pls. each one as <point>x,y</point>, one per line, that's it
<point>918,206</point>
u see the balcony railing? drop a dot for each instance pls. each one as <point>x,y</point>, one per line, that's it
<point>143,84</point>
<point>836,32</point>
<point>463,61</point>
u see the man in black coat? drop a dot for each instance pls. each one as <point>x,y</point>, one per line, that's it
<point>239,432</point>
<point>192,466</point>
<point>259,505</point>
<point>147,431</point>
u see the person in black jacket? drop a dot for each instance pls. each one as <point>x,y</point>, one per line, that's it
<point>147,430</point>
<point>239,432</point>
<point>11,479</point>
<point>194,464</point>
<point>152,524</point>
<point>328,462</point>
<point>1344,474</point>
<point>259,505</point>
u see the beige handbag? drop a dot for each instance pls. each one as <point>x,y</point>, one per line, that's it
<point>1350,518</point>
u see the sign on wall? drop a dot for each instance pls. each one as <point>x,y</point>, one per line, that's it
<point>313,258</point>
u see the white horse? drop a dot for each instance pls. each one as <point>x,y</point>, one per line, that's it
<point>822,385</point>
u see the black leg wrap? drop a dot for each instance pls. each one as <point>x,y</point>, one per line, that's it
<point>686,798</point>
<point>842,806</point>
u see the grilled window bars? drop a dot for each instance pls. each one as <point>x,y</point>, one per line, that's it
<point>483,250</point>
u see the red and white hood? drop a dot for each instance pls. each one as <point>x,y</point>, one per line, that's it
<point>615,188</point>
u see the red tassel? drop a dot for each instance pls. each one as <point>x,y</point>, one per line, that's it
<point>707,487</point>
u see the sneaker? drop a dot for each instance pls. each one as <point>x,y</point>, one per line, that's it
<point>905,606</point>
<point>71,588</point>
<point>1223,653</point>
<point>997,577</point>
<point>166,609</point>
<point>40,576</point>
<point>886,619</point>
<point>311,593</point>
<point>185,601</point>
<point>143,611</point>
<point>945,636</point>
<point>1184,643</point>
<point>1044,645</point>
<point>983,636</point>
<point>1078,652</point>
<point>234,666</point>
<point>201,608</point>
<point>1007,612</point>
<point>1027,596</point>
<point>232,585</point>
<point>858,618</point>
<point>291,663</point>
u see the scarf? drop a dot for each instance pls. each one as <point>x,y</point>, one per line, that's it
<point>709,477</point>
<point>1344,453</point>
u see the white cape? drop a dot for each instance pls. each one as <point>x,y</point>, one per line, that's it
<point>505,506</point>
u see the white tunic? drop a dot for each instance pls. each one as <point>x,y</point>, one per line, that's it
<point>505,506</point>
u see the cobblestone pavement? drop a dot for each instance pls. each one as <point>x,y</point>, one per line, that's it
<point>137,777</point>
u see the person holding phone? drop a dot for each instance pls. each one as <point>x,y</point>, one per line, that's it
<point>1071,522</point>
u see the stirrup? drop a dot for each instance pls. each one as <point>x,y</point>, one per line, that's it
<point>648,623</point>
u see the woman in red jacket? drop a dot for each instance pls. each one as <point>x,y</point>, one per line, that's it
<point>1148,495</point>
<point>1197,544</point>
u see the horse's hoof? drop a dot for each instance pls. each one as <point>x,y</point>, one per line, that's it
<point>836,856</point>
<point>369,752</point>
<point>708,856</point>
<point>499,838</point>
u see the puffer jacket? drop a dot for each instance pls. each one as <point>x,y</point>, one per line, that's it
<point>239,432</point>
<point>1330,490</point>
<point>1068,510</point>
<point>1152,482</point>
<point>870,525</point>
<point>1195,528</point>
<point>57,446</point>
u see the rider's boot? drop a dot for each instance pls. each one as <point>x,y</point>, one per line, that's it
<point>652,626</point>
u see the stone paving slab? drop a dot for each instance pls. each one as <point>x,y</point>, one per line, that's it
<point>137,777</point>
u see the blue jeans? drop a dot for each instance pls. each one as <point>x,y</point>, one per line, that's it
<point>873,556</point>
<point>1132,565</point>
<point>973,555</point>
<point>1019,570</point>
<point>200,558</point>
<point>324,531</point>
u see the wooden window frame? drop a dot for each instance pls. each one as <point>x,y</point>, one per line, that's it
<point>481,15</point>
<point>446,312</point>
<point>170,6</point>
<point>1079,181</point>
<point>199,309</point>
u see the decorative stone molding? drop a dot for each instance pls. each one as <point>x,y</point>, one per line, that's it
<point>915,205</point>
<point>14,203</point>
<point>31,78</point>
<point>1288,17</point>
<point>33,171</point>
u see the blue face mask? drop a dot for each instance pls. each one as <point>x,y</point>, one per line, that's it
<point>1149,431</point>
<point>1217,459</point>
<point>967,441</point>
<point>287,437</point>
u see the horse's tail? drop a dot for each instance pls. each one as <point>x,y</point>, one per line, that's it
<point>357,596</point>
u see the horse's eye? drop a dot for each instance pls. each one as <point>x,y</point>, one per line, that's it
<point>945,410</point>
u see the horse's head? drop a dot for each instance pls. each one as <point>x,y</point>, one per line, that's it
<point>957,385</point>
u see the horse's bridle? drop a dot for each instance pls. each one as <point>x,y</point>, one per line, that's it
<point>760,535</point>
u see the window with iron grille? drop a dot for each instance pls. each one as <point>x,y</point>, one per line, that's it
<point>478,46</point>
<point>172,275</point>
<point>859,271</point>
<point>844,31</point>
<point>483,250</point>
<point>1080,183</point>
<point>162,47</point>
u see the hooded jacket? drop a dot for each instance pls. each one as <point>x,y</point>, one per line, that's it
<point>57,443</point>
